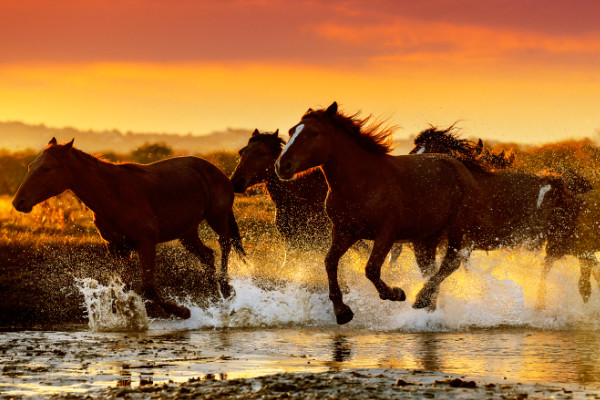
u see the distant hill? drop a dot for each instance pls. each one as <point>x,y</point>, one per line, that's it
<point>17,136</point>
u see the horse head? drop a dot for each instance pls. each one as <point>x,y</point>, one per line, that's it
<point>47,176</point>
<point>310,143</point>
<point>257,160</point>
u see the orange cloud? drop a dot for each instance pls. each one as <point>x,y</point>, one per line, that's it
<point>426,42</point>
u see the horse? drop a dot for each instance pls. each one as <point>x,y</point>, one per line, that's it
<point>137,206</point>
<point>300,214</point>
<point>524,208</point>
<point>376,196</point>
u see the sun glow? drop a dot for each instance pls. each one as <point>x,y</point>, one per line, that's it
<point>201,98</point>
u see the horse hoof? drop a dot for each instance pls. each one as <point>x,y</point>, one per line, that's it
<point>184,313</point>
<point>226,289</point>
<point>344,317</point>
<point>422,302</point>
<point>400,295</point>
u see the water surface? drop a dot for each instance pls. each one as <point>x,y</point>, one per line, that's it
<point>486,325</point>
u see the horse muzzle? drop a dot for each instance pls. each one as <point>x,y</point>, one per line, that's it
<point>239,185</point>
<point>285,170</point>
<point>22,205</point>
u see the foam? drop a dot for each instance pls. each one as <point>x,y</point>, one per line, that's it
<point>496,290</point>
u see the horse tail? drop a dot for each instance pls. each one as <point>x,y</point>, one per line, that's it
<point>236,239</point>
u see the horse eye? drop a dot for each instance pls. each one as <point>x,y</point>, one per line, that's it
<point>45,169</point>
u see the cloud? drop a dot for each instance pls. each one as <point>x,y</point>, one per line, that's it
<point>342,33</point>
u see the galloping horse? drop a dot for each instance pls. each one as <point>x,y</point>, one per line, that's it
<point>137,206</point>
<point>300,203</point>
<point>373,195</point>
<point>523,208</point>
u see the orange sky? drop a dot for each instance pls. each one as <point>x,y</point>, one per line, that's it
<point>513,70</point>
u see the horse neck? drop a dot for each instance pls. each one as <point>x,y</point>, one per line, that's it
<point>92,182</point>
<point>348,159</point>
<point>280,191</point>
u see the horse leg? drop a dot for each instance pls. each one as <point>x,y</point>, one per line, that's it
<point>542,289</point>
<point>220,224</point>
<point>589,265</point>
<point>395,253</point>
<point>427,296</point>
<point>380,250</point>
<point>425,256</point>
<point>147,256</point>
<point>585,285</point>
<point>121,255</point>
<point>340,243</point>
<point>595,265</point>
<point>192,243</point>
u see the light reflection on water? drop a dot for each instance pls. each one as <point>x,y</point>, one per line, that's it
<point>78,361</point>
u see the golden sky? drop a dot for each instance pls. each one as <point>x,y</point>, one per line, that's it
<point>512,70</point>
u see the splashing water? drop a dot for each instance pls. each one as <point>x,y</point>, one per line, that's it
<point>496,289</point>
<point>112,309</point>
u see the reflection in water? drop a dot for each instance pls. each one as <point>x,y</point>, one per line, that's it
<point>340,348</point>
<point>159,357</point>
<point>428,353</point>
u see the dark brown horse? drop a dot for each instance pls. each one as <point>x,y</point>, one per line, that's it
<point>373,195</point>
<point>300,203</point>
<point>523,208</point>
<point>137,206</point>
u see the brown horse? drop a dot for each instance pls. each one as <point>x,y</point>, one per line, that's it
<point>373,195</point>
<point>300,212</point>
<point>524,208</point>
<point>137,206</point>
<point>300,203</point>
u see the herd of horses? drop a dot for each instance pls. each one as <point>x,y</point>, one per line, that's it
<point>335,183</point>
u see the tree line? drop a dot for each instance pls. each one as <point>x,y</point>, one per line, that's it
<point>581,156</point>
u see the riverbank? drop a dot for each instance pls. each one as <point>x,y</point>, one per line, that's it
<point>349,384</point>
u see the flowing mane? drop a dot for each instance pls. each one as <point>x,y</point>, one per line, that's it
<point>472,154</point>
<point>100,162</point>
<point>372,136</point>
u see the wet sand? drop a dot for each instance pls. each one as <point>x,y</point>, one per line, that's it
<point>348,384</point>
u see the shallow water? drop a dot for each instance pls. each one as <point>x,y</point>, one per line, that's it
<point>486,325</point>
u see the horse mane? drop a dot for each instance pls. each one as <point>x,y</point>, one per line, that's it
<point>372,136</point>
<point>473,155</point>
<point>274,142</point>
<point>100,162</point>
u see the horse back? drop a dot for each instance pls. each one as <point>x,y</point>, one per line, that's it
<point>416,196</point>
<point>177,193</point>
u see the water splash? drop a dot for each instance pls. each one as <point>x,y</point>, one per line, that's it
<point>496,289</point>
<point>112,309</point>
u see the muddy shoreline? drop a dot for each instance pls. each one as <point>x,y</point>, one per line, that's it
<point>347,384</point>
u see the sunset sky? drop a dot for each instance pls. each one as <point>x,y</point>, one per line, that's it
<point>511,70</point>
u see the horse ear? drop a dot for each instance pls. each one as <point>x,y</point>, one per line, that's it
<point>276,133</point>
<point>52,141</point>
<point>69,145</point>
<point>255,133</point>
<point>332,109</point>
